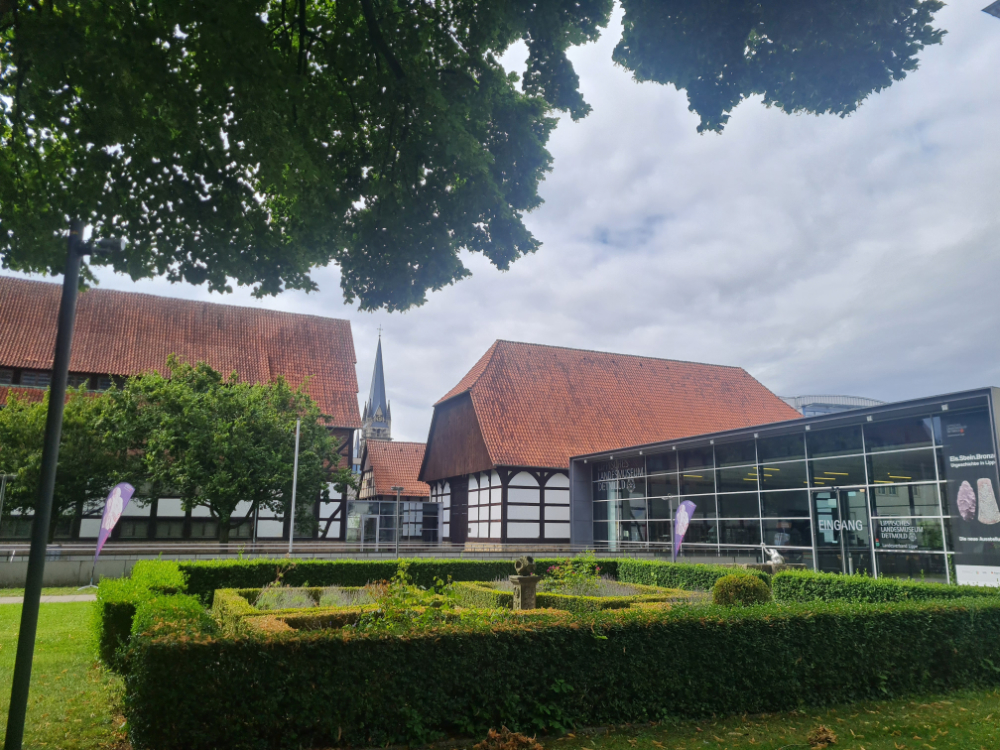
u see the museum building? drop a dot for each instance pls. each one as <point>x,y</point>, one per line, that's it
<point>907,489</point>
<point>499,445</point>
<point>118,334</point>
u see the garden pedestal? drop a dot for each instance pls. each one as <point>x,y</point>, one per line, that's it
<point>524,591</point>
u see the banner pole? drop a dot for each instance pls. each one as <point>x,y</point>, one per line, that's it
<point>295,481</point>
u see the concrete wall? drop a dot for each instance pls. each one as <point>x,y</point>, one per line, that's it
<point>63,572</point>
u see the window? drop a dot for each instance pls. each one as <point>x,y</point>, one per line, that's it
<point>736,454</point>
<point>781,448</point>
<point>103,382</point>
<point>912,432</point>
<point>838,442</point>
<point>6,376</point>
<point>742,505</point>
<point>76,379</point>
<point>36,378</point>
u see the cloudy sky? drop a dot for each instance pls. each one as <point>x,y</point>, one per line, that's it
<point>824,255</point>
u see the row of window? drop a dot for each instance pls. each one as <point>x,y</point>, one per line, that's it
<point>43,378</point>
<point>896,500</point>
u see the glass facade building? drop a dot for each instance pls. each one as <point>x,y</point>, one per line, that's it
<point>894,490</point>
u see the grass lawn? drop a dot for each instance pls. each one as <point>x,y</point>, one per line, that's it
<point>50,591</point>
<point>71,695</point>
<point>970,721</point>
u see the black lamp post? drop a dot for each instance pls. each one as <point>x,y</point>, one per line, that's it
<point>399,529</point>
<point>50,458</point>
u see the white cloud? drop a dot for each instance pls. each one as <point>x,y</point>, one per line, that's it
<point>824,255</point>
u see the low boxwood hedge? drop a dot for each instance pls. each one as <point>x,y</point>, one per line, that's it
<point>190,687</point>
<point>688,576</point>
<point>807,586</point>
<point>484,596</point>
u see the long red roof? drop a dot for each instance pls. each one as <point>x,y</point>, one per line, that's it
<point>125,333</point>
<point>397,464</point>
<point>539,405</point>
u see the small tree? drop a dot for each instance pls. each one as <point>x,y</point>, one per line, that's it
<point>92,457</point>
<point>218,441</point>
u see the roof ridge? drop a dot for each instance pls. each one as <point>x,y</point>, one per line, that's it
<point>395,442</point>
<point>617,354</point>
<point>105,291</point>
<point>488,356</point>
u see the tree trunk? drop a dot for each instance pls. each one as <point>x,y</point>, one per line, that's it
<point>224,529</point>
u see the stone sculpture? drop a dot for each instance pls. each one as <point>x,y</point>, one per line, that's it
<point>525,582</point>
<point>989,513</point>
<point>966,502</point>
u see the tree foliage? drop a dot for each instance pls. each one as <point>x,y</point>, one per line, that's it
<point>800,57</point>
<point>216,441</point>
<point>253,140</point>
<point>92,455</point>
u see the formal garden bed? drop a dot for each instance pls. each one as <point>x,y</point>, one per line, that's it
<point>412,653</point>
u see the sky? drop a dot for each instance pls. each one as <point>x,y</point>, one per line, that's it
<point>851,256</point>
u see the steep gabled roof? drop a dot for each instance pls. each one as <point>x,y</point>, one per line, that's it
<point>396,464</point>
<point>538,405</point>
<point>124,333</point>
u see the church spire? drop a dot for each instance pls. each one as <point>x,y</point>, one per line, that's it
<point>376,420</point>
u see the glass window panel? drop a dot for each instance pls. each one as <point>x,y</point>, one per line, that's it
<point>781,447</point>
<point>600,533</point>
<point>701,532</point>
<point>661,485</point>
<point>169,529</point>
<point>905,500</point>
<point>837,472</point>
<point>704,506</point>
<point>622,510</point>
<point>661,462</point>
<point>600,511</point>
<point>838,442</point>
<point>909,534</point>
<point>387,509</point>
<point>787,476</point>
<point>791,504</point>
<point>788,533</point>
<point>696,458</point>
<point>697,482</point>
<point>911,432</point>
<point>6,376</point>
<point>735,454</point>
<point>739,532</point>
<point>659,532</point>
<point>660,508</point>
<point>924,566</point>
<point>743,479</point>
<point>615,489</point>
<point>908,466</point>
<point>134,529</point>
<point>743,505</point>
<point>631,531</point>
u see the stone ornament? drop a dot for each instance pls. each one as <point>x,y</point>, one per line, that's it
<point>525,565</point>
<point>966,502</point>
<point>989,513</point>
<point>525,582</point>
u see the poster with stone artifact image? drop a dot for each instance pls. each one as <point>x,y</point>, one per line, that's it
<point>970,471</point>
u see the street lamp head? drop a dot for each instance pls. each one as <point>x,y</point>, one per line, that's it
<point>396,489</point>
<point>104,246</point>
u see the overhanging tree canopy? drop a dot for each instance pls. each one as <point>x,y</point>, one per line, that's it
<point>253,140</point>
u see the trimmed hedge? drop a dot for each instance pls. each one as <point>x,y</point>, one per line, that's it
<point>807,586</point>
<point>740,589</point>
<point>194,689</point>
<point>486,597</point>
<point>204,577</point>
<point>688,576</point>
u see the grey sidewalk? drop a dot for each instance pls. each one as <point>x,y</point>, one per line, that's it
<point>51,599</point>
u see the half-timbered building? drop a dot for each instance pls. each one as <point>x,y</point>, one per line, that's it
<point>500,441</point>
<point>118,334</point>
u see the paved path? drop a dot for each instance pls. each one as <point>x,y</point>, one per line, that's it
<point>51,599</point>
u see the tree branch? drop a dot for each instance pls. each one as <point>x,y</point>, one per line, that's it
<point>375,34</point>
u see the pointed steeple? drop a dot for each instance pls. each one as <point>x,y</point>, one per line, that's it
<point>376,420</point>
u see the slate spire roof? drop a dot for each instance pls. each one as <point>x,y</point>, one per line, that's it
<point>539,405</point>
<point>126,333</point>
<point>377,407</point>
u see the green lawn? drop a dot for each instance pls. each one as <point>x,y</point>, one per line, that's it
<point>72,702</point>
<point>966,721</point>
<point>71,695</point>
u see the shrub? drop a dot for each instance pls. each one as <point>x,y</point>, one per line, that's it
<point>688,576</point>
<point>807,586</point>
<point>740,589</point>
<point>197,689</point>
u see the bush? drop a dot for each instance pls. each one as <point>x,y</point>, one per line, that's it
<point>806,586</point>
<point>741,589</point>
<point>197,689</point>
<point>688,576</point>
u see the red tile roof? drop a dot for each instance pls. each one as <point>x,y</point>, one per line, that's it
<point>396,464</point>
<point>539,405</point>
<point>124,333</point>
